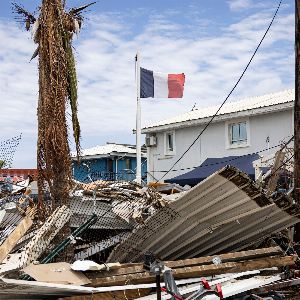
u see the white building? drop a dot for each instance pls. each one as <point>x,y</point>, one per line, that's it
<point>241,127</point>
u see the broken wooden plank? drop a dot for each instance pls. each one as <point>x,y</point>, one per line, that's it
<point>60,272</point>
<point>2,214</point>
<point>23,289</point>
<point>228,257</point>
<point>39,242</point>
<point>196,271</point>
<point>113,295</point>
<point>235,267</point>
<point>275,171</point>
<point>14,237</point>
<point>41,290</point>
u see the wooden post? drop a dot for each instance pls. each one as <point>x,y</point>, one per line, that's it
<point>297,117</point>
<point>297,107</point>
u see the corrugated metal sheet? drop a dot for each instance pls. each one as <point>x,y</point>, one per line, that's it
<point>22,289</point>
<point>83,209</point>
<point>231,107</point>
<point>226,211</point>
<point>237,234</point>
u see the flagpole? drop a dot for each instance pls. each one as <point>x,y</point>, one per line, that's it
<point>138,120</point>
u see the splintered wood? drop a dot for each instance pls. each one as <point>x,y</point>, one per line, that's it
<point>14,237</point>
<point>39,242</point>
<point>203,266</point>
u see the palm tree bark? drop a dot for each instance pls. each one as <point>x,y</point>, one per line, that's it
<point>53,153</point>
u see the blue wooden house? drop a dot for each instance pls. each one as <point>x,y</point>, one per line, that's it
<point>108,162</point>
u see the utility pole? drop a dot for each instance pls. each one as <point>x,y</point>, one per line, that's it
<point>138,120</point>
<point>297,108</point>
<point>297,117</point>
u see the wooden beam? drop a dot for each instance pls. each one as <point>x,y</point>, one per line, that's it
<point>235,267</point>
<point>276,169</point>
<point>114,295</point>
<point>228,257</point>
<point>297,117</point>
<point>297,111</point>
<point>12,240</point>
<point>196,271</point>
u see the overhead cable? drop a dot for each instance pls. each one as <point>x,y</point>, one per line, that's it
<point>236,84</point>
<point>283,146</point>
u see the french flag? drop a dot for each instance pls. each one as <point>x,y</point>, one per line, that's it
<point>160,85</point>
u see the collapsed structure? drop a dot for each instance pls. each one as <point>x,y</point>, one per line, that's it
<point>226,212</point>
<point>196,232</point>
<point>120,240</point>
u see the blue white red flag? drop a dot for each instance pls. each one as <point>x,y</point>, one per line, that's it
<point>161,85</point>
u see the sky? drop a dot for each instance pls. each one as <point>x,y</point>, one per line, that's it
<point>210,41</point>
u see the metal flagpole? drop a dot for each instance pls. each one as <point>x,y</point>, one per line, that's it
<point>138,120</point>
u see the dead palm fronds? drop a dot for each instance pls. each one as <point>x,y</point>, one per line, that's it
<point>52,31</point>
<point>23,16</point>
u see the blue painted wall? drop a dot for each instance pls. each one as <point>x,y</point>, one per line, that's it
<point>105,168</point>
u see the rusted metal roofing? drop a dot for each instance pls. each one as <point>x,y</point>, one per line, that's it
<point>227,211</point>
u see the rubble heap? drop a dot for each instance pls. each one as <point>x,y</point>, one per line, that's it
<point>115,226</point>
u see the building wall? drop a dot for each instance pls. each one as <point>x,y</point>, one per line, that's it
<point>98,168</point>
<point>22,173</point>
<point>214,143</point>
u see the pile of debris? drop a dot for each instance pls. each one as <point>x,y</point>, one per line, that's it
<point>99,216</point>
<point>119,240</point>
<point>255,272</point>
<point>226,212</point>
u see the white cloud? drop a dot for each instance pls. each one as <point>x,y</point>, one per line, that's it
<point>105,53</point>
<point>239,4</point>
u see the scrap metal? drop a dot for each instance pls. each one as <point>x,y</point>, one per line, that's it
<point>214,205</point>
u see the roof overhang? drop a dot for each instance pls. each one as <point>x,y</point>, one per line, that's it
<point>220,118</point>
<point>108,155</point>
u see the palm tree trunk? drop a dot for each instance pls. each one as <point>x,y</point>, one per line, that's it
<point>53,155</point>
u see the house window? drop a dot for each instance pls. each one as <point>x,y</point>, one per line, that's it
<point>110,165</point>
<point>238,133</point>
<point>170,143</point>
<point>128,163</point>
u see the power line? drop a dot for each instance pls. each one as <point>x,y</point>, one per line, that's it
<point>283,164</point>
<point>228,160</point>
<point>236,84</point>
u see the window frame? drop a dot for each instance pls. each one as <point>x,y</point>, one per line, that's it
<point>167,134</point>
<point>128,163</point>
<point>228,134</point>
<point>239,127</point>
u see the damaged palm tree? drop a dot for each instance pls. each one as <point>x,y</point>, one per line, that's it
<point>52,31</point>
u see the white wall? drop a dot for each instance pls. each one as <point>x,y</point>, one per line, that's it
<point>212,143</point>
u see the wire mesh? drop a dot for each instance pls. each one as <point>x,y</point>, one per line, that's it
<point>127,215</point>
<point>121,206</point>
<point>7,151</point>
